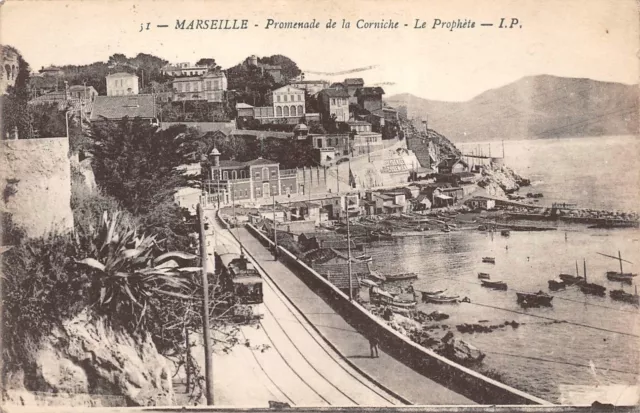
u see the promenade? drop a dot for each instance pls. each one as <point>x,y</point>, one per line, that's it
<point>286,359</point>
<point>350,343</point>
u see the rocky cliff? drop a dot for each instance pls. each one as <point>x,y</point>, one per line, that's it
<point>92,364</point>
<point>499,180</point>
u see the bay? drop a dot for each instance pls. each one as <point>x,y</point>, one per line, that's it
<point>582,340</point>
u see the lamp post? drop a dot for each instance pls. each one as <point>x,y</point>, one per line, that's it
<point>66,118</point>
<point>275,231</point>
<point>208,361</point>
<point>346,201</point>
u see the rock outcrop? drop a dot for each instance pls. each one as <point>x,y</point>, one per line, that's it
<point>501,180</point>
<point>85,357</point>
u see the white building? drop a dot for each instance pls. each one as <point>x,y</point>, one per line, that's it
<point>120,84</point>
<point>210,87</point>
<point>288,101</point>
<point>184,69</point>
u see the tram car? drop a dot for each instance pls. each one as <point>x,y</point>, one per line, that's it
<point>240,279</point>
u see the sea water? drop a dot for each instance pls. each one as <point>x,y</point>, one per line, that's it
<point>582,340</point>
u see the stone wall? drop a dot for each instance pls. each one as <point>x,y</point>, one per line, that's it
<point>36,184</point>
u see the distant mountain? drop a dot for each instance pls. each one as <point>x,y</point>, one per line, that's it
<point>533,107</point>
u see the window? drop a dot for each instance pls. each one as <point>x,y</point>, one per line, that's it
<point>258,192</point>
<point>278,111</point>
<point>299,98</point>
<point>329,142</point>
<point>216,84</point>
<point>188,87</point>
<point>242,174</point>
<point>286,97</point>
<point>257,175</point>
<point>293,111</point>
<point>265,174</point>
<point>208,85</point>
<point>278,98</point>
<point>234,174</point>
<point>333,102</point>
<point>286,111</point>
<point>225,175</point>
<point>273,174</point>
<point>300,110</point>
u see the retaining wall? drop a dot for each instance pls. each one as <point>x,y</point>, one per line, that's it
<point>36,184</point>
<point>467,382</point>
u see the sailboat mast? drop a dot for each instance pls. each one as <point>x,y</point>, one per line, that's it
<point>585,271</point>
<point>620,259</point>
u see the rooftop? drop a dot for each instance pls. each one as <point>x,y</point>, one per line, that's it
<point>335,93</point>
<point>122,74</point>
<point>354,81</point>
<point>370,91</point>
<point>118,107</point>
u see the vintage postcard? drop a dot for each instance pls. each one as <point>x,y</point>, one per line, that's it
<point>334,205</point>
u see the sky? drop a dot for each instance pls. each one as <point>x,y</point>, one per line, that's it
<point>597,39</point>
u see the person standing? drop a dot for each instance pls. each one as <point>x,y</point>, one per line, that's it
<point>373,346</point>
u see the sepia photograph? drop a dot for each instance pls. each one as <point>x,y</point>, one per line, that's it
<point>366,205</point>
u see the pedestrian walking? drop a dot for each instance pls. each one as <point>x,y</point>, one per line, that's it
<point>373,346</point>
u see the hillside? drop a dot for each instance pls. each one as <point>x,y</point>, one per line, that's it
<point>533,107</point>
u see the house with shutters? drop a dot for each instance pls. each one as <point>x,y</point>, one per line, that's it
<point>210,87</point>
<point>334,102</point>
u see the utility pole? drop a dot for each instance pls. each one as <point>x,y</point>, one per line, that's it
<point>275,231</point>
<point>338,177</point>
<point>206,332</point>
<point>346,200</point>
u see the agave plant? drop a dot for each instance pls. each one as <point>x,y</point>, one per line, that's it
<point>129,273</point>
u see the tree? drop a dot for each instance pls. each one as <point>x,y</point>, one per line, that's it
<point>137,164</point>
<point>209,62</point>
<point>289,68</point>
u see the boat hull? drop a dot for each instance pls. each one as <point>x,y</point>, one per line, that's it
<point>620,295</point>
<point>495,285</point>
<point>440,300</point>
<point>620,277</point>
<point>534,300</point>
<point>556,285</point>
<point>593,289</point>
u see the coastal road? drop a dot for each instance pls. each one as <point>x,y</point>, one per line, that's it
<point>350,343</point>
<point>298,367</point>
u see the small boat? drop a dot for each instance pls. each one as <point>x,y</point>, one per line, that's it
<point>400,277</point>
<point>591,288</point>
<point>489,260</point>
<point>626,277</point>
<point>364,258</point>
<point>534,299</point>
<point>621,295</point>
<point>569,279</point>
<point>484,276</point>
<point>496,285</point>
<point>439,299</point>
<point>622,276</point>
<point>431,293</point>
<point>446,230</point>
<point>557,284</point>
<point>505,233</point>
<point>382,297</point>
